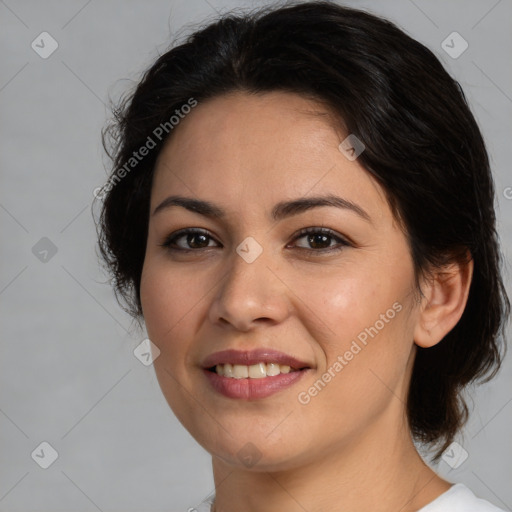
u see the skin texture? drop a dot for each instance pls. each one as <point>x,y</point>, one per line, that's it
<point>349,448</point>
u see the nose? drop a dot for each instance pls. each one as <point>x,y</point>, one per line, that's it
<point>250,294</point>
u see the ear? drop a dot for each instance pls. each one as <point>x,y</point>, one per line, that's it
<point>444,298</point>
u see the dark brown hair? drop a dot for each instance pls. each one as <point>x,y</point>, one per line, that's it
<point>422,145</point>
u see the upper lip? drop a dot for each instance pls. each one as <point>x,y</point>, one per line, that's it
<point>250,357</point>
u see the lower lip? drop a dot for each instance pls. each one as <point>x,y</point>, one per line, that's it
<point>252,388</point>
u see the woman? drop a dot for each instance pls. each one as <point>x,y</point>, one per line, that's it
<point>301,212</point>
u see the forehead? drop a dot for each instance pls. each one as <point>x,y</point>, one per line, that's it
<point>258,149</point>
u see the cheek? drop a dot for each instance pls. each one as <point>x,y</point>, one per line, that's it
<point>347,301</point>
<point>369,336</point>
<point>168,301</point>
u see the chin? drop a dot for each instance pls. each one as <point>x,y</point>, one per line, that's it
<point>254,452</point>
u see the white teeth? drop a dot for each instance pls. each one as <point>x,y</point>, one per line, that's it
<point>273,369</point>
<point>255,371</point>
<point>228,370</point>
<point>240,371</point>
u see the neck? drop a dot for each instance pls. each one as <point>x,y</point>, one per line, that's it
<point>376,471</point>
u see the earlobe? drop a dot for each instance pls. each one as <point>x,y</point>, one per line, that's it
<point>444,301</point>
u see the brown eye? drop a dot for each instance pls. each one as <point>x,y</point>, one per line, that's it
<point>194,239</point>
<point>320,239</point>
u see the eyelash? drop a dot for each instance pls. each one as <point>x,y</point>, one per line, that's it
<point>306,231</point>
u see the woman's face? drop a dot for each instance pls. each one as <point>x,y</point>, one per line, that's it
<point>342,304</point>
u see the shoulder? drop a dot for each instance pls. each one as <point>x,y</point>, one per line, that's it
<point>460,498</point>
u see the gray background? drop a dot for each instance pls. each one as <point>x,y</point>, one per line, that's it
<point>68,374</point>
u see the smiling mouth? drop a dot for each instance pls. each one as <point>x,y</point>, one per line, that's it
<point>254,371</point>
<point>253,374</point>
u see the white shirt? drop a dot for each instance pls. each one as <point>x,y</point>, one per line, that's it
<point>458,498</point>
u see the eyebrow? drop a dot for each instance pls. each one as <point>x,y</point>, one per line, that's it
<point>280,211</point>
